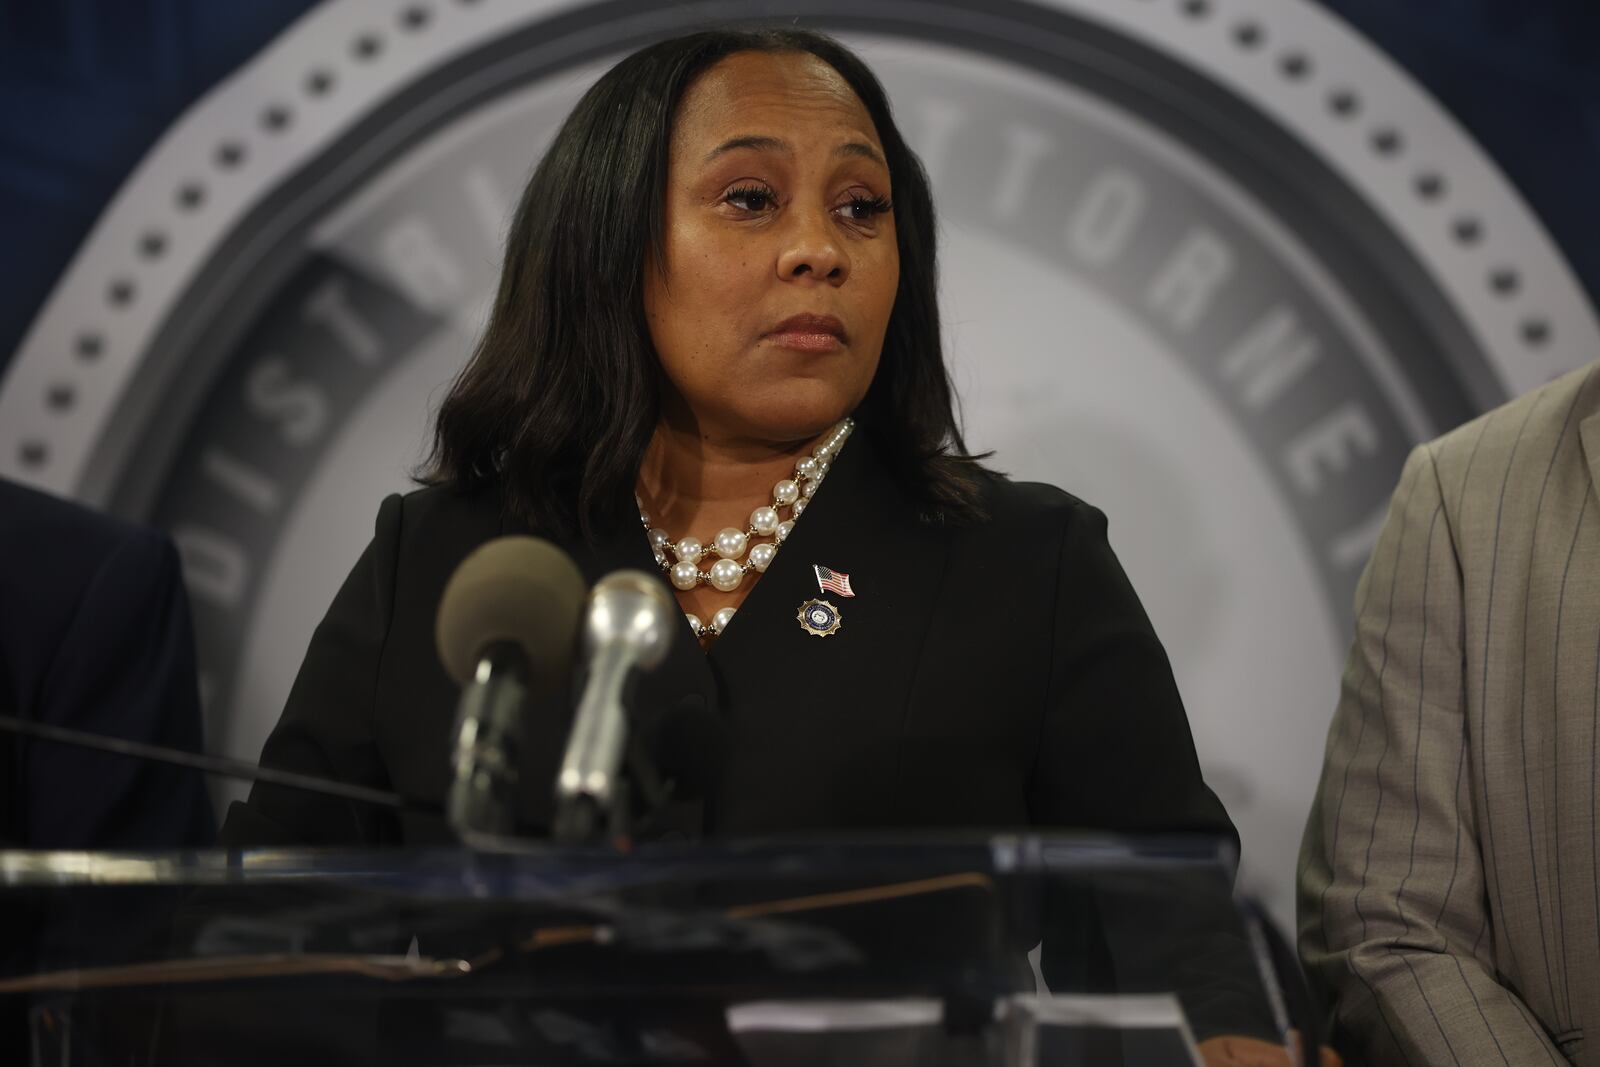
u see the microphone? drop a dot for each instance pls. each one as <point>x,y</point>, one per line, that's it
<point>628,628</point>
<point>506,627</point>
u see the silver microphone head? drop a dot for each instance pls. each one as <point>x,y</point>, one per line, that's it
<point>633,610</point>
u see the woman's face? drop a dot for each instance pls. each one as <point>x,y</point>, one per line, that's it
<point>780,261</point>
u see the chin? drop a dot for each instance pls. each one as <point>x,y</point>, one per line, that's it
<point>799,413</point>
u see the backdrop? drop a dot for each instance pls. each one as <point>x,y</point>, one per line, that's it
<point>1214,265</point>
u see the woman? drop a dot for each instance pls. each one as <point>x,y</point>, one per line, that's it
<point>718,289</point>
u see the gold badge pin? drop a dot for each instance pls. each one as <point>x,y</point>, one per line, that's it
<point>819,618</point>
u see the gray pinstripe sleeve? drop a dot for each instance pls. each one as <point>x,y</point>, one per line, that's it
<point>1391,889</point>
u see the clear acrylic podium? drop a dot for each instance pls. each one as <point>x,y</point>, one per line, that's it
<point>763,953</point>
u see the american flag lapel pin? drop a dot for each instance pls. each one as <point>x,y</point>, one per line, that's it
<point>832,581</point>
<point>819,617</point>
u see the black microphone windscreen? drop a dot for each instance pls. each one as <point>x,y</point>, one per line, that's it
<point>517,589</point>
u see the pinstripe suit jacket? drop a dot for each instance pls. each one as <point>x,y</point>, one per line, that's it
<point>1448,884</point>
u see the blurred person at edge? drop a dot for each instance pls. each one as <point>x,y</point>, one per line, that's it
<point>95,635</point>
<point>718,288</point>
<point>1448,896</point>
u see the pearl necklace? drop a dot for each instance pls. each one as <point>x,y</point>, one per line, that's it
<point>727,573</point>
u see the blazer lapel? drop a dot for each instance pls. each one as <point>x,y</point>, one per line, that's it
<point>791,695</point>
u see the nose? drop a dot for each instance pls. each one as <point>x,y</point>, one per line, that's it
<point>814,252</point>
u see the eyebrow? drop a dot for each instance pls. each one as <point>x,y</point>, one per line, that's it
<point>776,144</point>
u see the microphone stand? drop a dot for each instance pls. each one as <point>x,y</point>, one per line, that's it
<point>228,768</point>
<point>578,823</point>
<point>580,820</point>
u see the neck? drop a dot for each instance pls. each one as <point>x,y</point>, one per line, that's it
<point>694,482</point>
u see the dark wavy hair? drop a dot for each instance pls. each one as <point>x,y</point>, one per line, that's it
<point>561,396</point>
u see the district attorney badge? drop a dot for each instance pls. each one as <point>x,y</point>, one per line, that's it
<point>819,618</point>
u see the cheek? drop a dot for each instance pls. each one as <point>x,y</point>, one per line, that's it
<point>700,300</point>
<point>891,259</point>
<point>884,286</point>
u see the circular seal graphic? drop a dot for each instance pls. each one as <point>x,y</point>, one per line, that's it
<point>1214,267</point>
<point>819,618</point>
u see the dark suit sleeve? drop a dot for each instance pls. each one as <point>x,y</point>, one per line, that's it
<point>125,668</point>
<point>327,728</point>
<point>1116,755</point>
<point>1112,693</point>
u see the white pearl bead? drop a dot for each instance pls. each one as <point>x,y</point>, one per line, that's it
<point>695,624</point>
<point>824,466</point>
<point>719,621</point>
<point>764,521</point>
<point>786,492</point>
<point>661,557</point>
<point>689,550</point>
<point>761,555</point>
<point>806,468</point>
<point>730,543</point>
<point>797,508</point>
<point>685,574</point>
<point>659,539</point>
<point>783,530</point>
<point>811,488</point>
<point>726,575</point>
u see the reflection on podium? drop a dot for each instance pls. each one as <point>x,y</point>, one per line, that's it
<point>765,953</point>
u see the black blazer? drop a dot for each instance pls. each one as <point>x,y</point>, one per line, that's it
<point>1002,675</point>
<point>997,676</point>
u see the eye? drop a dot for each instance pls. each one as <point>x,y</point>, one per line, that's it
<point>752,198</point>
<point>860,208</point>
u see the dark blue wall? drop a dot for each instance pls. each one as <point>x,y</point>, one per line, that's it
<point>87,85</point>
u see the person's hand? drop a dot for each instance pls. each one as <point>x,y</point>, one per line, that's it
<point>1230,1051</point>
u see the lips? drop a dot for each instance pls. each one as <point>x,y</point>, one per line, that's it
<point>809,333</point>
